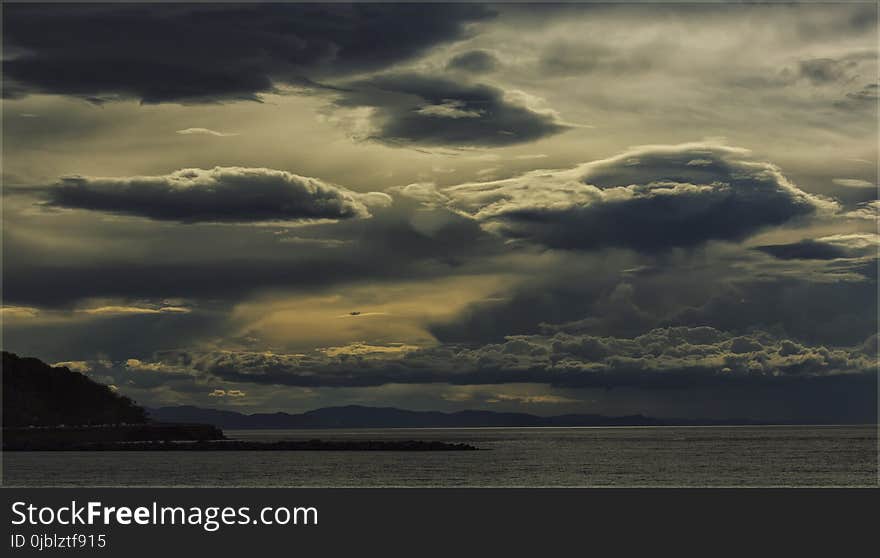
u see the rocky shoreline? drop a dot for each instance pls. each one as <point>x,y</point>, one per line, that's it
<point>48,437</point>
<point>187,437</point>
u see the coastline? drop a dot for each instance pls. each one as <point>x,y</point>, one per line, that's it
<point>239,445</point>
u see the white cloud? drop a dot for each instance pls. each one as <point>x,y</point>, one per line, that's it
<point>852,183</point>
<point>130,310</point>
<point>75,365</point>
<point>204,132</point>
<point>449,108</point>
<point>227,393</point>
<point>19,312</point>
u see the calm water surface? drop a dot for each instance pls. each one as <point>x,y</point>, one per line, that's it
<point>624,457</point>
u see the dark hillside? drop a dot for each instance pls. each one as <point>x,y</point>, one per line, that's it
<point>35,393</point>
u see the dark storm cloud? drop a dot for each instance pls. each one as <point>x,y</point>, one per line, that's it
<point>867,94</point>
<point>203,53</point>
<point>649,199</point>
<point>425,110</point>
<point>59,285</point>
<point>618,293</point>
<point>804,250</point>
<point>473,61</point>
<point>232,262</point>
<point>114,337</point>
<point>826,70</point>
<point>660,359</point>
<point>826,248</point>
<point>568,296</point>
<point>221,194</point>
<point>836,313</point>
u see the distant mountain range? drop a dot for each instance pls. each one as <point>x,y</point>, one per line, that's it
<point>356,416</point>
<point>35,393</point>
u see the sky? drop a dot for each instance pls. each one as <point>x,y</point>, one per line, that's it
<point>665,209</point>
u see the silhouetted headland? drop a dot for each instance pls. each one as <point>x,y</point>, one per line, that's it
<point>48,408</point>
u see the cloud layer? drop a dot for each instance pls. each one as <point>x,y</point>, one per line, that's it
<point>827,248</point>
<point>649,199</point>
<point>218,52</point>
<point>675,357</point>
<point>221,194</point>
<point>438,111</point>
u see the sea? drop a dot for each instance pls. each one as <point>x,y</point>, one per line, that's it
<point>715,456</point>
